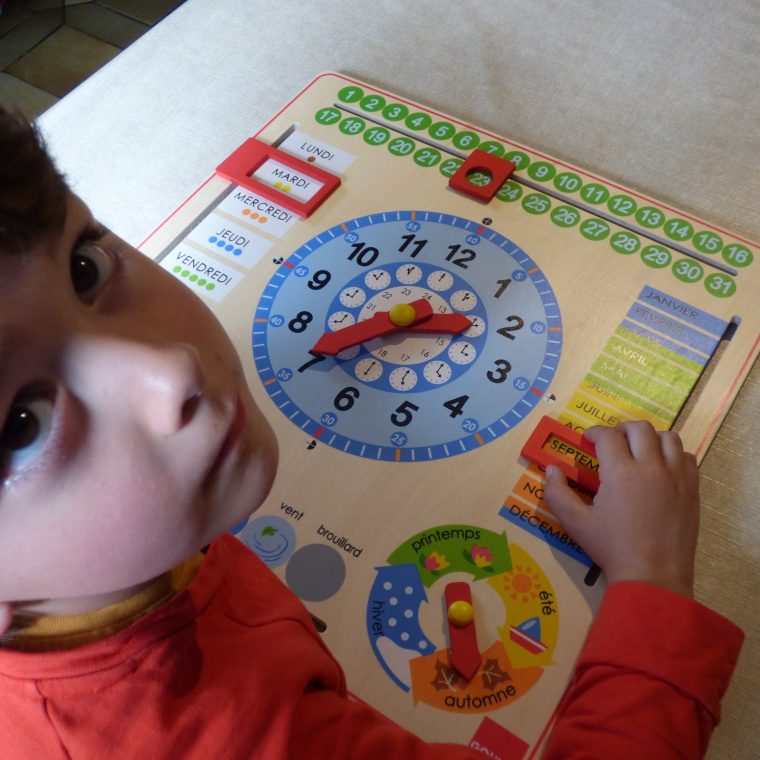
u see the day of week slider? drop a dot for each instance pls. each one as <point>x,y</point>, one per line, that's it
<point>250,155</point>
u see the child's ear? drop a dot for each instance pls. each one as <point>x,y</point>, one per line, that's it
<point>6,617</point>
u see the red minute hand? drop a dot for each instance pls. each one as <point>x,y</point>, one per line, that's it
<point>377,325</point>
<point>453,323</point>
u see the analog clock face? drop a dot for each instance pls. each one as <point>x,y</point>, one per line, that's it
<point>408,395</point>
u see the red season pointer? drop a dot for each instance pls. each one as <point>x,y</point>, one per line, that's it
<point>465,656</point>
<point>416,316</point>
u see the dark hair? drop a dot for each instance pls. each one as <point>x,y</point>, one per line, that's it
<point>33,195</point>
<point>32,191</point>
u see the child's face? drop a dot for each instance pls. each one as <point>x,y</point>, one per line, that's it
<point>129,437</point>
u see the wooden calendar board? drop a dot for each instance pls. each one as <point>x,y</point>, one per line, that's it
<point>400,470</point>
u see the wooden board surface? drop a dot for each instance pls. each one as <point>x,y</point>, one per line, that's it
<point>633,339</point>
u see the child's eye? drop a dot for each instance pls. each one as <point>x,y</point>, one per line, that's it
<point>91,267</point>
<point>25,433</point>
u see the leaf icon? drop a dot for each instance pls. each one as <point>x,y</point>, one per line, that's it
<point>492,674</point>
<point>445,677</point>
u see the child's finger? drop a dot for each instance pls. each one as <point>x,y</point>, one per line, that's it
<point>672,447</point>
<point>643,440</point>
<point>569,508</point>
<point>610,443</point>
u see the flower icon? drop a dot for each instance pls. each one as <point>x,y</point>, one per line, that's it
<point>435,562</point>
<point>481,556</point>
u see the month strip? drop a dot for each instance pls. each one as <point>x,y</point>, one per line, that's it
<point>646,370</point>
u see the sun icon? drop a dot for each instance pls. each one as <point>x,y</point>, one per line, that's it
<point>522,583</point>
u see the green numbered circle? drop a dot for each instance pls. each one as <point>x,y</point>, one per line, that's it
<point>565,216</point>
<point>427,157</point>
<point>678,229</point>
<point>595,193</point>
<point>518,158</point>
<point>625,242</point>
<point>542,171</point>
<point>510,191</point>
<point>418,121</point>
<point>478,178</point>
<point>622,205</point>
<point>327,116</point>
<point>449,166</point>
<point>442,130</point>
<point>353,125</point>
<point>656,256</point>
<point>720,285</point>
<point>649,216</point>
<point>708,242</point>
<point>688,270</point>
<point>595,229</point>
<point>372,102</point>
<point>568,182</point>
<point>350,94</point>
<point>492,147</point>
<point>738,255</point>
<point>536,203</point>
<point>376,136</point>
<point>466,140</point>
<point>401,146</point>
<point>395,111</point>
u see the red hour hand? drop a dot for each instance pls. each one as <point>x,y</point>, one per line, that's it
<point>400,317</point>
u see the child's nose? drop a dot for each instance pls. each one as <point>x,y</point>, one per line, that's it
<point>160,385</point>
<point>173,382</point>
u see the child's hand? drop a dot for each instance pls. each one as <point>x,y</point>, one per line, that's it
<point>643,522</point>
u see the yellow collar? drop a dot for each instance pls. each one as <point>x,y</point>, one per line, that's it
<point>46,633</point>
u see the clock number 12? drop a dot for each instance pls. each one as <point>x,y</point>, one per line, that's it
<point>465,255</point>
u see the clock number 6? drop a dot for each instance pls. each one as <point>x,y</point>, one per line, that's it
<point>503,368</point>
<point>346,399</point>
<point>403,414</point>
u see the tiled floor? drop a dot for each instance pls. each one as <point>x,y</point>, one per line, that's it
<point>47,47</point>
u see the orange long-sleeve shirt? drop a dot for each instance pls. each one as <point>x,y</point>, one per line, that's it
<point>232,667</point>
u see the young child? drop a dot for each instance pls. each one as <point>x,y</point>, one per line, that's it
<point>129,441</point>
